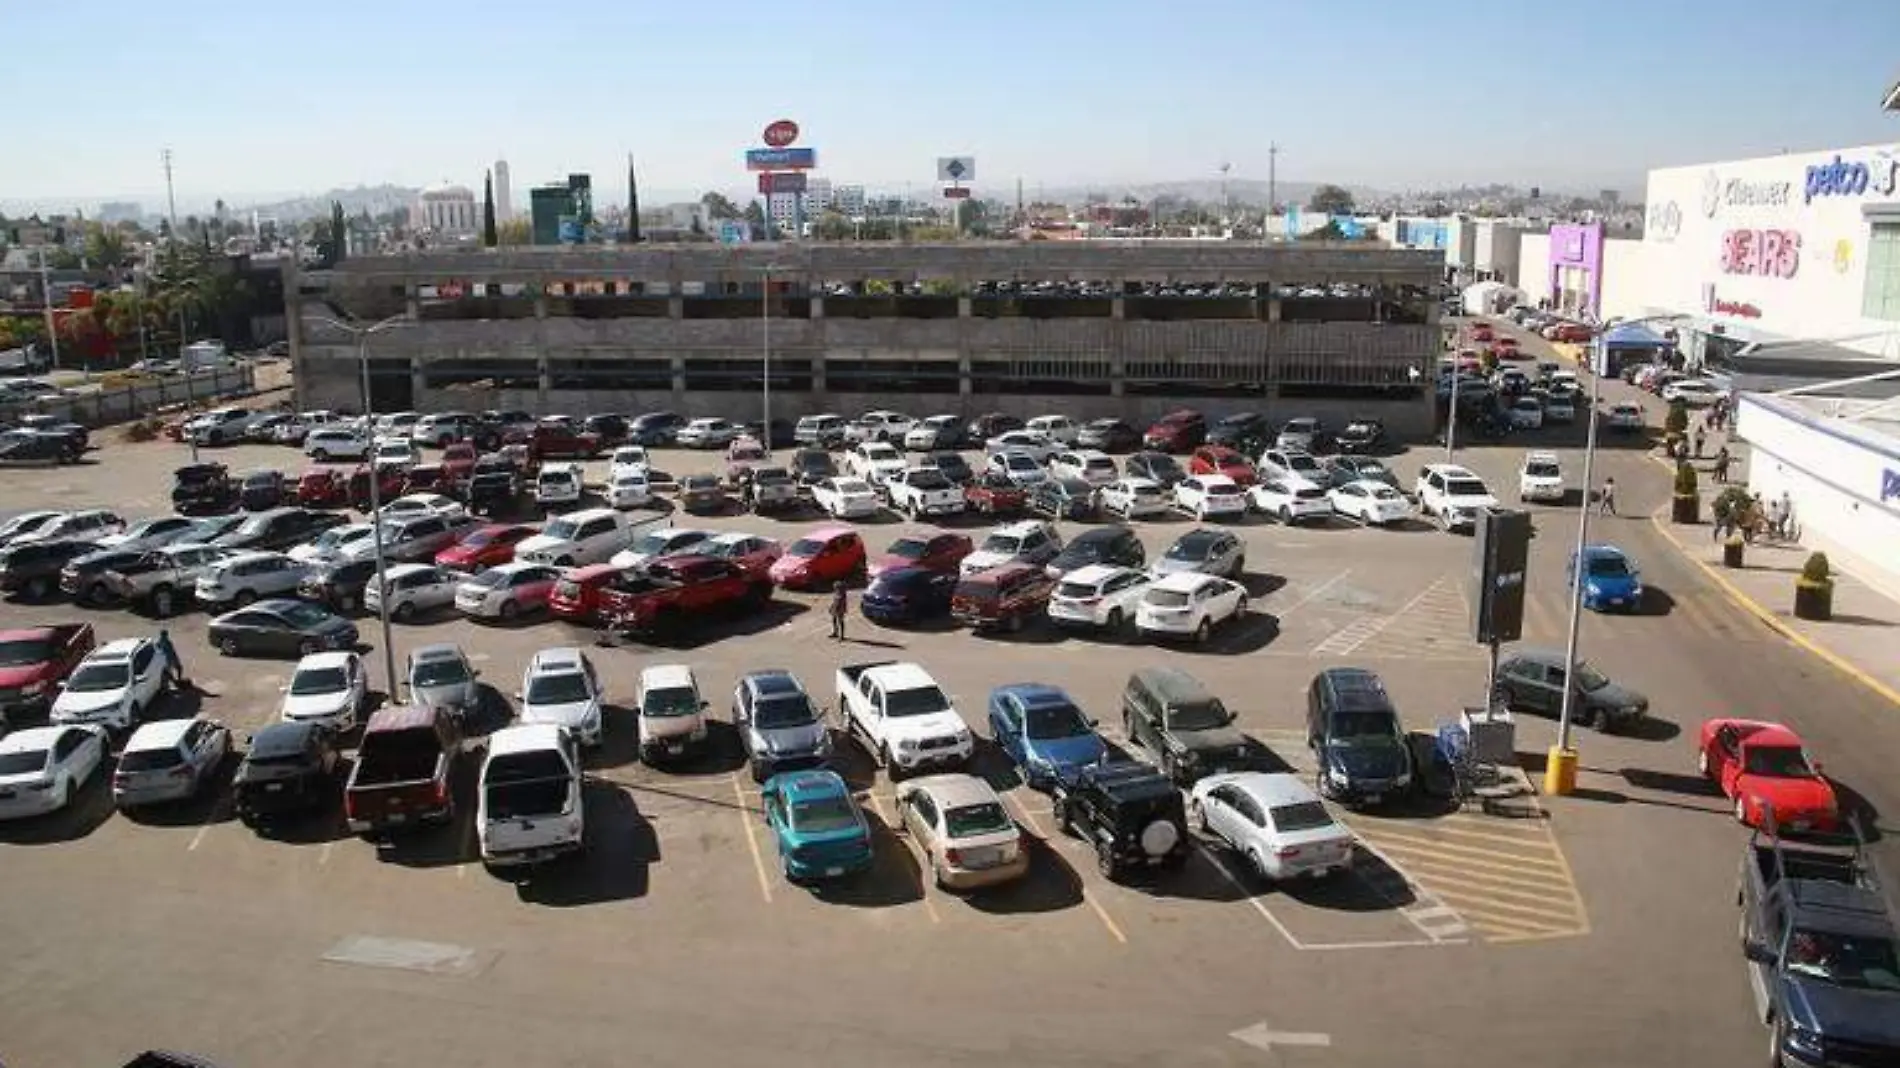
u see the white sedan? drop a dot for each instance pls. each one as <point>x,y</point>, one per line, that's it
<point>708,434</point>
<point>414,504</point>
<point>875,461</point>
<point>1290,499</point>
<point>1189,604</point>
<point>846,498</point>
<point>1132,498</point>
<point>1274,820</point>
<point>41,768</point>
<point>1372,502</point>
<point>1693,392</point>
<point>629,488</point>
<point>330,688</point>
<point>629,458</point>
<point>1205,496</point>
<point>1037,445</point>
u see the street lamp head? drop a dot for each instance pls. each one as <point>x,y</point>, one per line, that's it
<point>1892,100</point>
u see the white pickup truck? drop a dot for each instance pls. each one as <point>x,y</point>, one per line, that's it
<point>902,717</point>
<point>922,491</point>
<point>529,809</point>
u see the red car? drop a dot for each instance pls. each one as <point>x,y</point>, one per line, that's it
<point>1765,769</point>
<point>577,596</point>
<point>458,461</point>
<point>1481,332</point>
<point>427,478</point>
<point>821,558</point>
<point>484,547</point>
<point>754,553</point>
<point>322,487</point>
<point>34,661</point>
<point>1504,348</point>
<point>389,483</point>
<point>940,553</point>
<point>1221,460</point>
<point>1177,431</point>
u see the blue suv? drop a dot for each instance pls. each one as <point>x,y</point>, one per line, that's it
<point>1043,732</point>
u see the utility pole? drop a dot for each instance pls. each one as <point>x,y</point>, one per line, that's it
<point>171,213</point>
<point>1273,183</point>
<point>46,306</point>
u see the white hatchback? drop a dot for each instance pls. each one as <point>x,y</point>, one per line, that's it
<point>1099,595</point>
<point>1290,499</point>
<point>1207,496</point>
<point>1132,498</point>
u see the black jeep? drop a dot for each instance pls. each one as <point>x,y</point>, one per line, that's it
<point>203,488</point>
<point>1131,813</point>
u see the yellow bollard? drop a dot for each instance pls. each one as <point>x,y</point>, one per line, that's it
<point>1560,771</point>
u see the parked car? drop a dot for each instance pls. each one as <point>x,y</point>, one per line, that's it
<point>1611,580</point>
<point>826,556</point>
<point>774,491</point>
<point>1102,545</point>
<point>1043,733</point>
<point>1279,463</point>
<point>43,768</point>
<point>995,493</point>
<point>990,424</point>
<point>702,495</point>
<point>1176,432</point>
<point>1064,498</point>
<point>658,544</point>
<point>655,428</point>
<point>1290,499</point>
<point>1092,466</point>
<point>1208,496</point>
<point>290,769</point>
<point>35,662</point>
<point>115,686</point>
<point>1017,467</point>
<point>1099,596</point>
<point>278,529</point>
<point>280,626</point>
<point>412,590</point>
<point>1353,729</point>
<point>1033,444</point>
<point>507,591</point>
<point>337,585</point>
<point>169,760</point>
<point>1371,503</point>
<point>753,553</point>
<point>905,595</point>
<point>330,689</point>
<point>1189,604</point>
<point>583,537</point>
<point>238,578</point>
<point>1452,495</point>
<point>874,461</point>
<point>1007,597</point>
<point>778,725</point>
<point>672,714</point>
<point>818,831</point>
<point>163,578</point>
<point>967,837</point>
<point>32,569</point>
<point>812,466</point>
<point>952,464</point>
<point>941,551</point>
<point>561,689</point>
<point>1108,435</point>
<point>1207,550</point>
<point>824,431</point>
<point>1131,815</point>
<point>1275,822</point>
<point>529,797</point>
<point>1030,541</point>
<point>484,546</point>
<point>710,433</point>
<point>1156,467</point>
<point>1133,498</point>
<point>405,770</point>
<point>846,498</point>
<point>936,432</point>
<point>1304,434</point>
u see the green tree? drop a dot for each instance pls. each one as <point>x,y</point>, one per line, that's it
<point>1329,232</point>
<point>832,226</point>
<point>514,233</point>
<point>720,206</point>
<point>106,247</point>
<point>1331,199</point>
<point>489,238</point>
<point>755,215</point>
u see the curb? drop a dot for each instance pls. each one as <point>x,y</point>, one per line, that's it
<point>1774,622</point>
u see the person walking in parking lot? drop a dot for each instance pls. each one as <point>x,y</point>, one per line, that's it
<point>174,667</point>
<point>1722,460</point>
<point>838,606</point>
<point>1606,498</point>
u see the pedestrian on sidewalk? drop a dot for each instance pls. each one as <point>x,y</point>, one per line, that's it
<point>1606,498</point>
<point>1722,460</point>
<point>838,607</point>
<point>1696,440</point>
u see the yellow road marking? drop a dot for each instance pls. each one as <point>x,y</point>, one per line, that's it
<point>751,840</point>
<point>923,886</point>
<point>1486,836</point>
<point>1519,928</point>
<point>1100,912</point>
<point>1454,875</point>
<point>1425,857</point>
<point>1476,907</point>
<point>1383,837</point>
<point>1748,604</point>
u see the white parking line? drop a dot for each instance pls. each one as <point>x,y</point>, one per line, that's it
<point>323,855</point>
<point>1251,899</point>
<point>1314,592</point>
<point>1100,912</point>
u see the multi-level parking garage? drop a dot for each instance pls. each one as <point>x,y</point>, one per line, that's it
<point>1096,329</point>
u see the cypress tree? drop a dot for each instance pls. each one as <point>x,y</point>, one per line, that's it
<point>489,237</point>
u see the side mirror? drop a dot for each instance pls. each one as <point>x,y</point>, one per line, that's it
<point>475,674</point>
<point>1758,951</point>
<point>704,705</point>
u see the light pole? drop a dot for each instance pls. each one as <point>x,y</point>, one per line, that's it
<point>765,357</point>
<point>1560,769</point>
<point>362,334</point>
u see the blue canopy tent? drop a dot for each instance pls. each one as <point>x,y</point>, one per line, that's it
<point>1627,343</point>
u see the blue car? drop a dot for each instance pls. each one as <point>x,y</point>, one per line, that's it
<point>1611,582</point>
<point>908,595</point>
<point>1045,735</point>
<point>819,830</point>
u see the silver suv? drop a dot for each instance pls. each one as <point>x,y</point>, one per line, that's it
<point>778,724</point>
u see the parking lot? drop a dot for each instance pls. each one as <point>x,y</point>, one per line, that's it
<point>1536,931</point>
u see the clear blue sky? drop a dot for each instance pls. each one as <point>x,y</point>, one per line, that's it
<point>256,99</point>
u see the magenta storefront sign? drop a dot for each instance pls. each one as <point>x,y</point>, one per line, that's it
<point>1577,247</point>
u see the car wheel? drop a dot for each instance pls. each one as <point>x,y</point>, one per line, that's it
<point>244,597</point>
<point>1115,620</point>
<point>509,610</point>
<point>1240,608</point>
<point>1702,763</point>
<point>228,646</point>
<point>405,611</point>
<point>64,795</point>
<point>94,594</point>
<point>1259,862</point>
<point>163,601</point>
<point>1286,515</point>
<point>1240,568</point>
<point>345,603</point>
<point>1065,823</point>
<point>565,561</point>
<point>135,715</point>
<point>321,456</point>
<point>1201,632</point>
<point>1105,862</point>
<point>1198,814</point>
<point>39,588</point>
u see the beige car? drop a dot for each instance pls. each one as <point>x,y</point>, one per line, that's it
<point>965,833</point>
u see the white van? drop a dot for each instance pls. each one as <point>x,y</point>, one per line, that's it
<point>558,484</point>
<point>672,714</point>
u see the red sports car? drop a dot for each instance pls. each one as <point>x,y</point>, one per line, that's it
<point>940,553</point>
<point>1766,770</point>
<point>1221,460</point>
<point>484,547</point>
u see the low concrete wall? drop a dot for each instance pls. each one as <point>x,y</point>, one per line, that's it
<point>107,407</point>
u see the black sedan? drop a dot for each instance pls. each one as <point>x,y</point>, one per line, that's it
<point>1362,434</point>
<point>65,428</point>
<point>812,466</point>
<point>953,465</point>
<point>655,428</point>
<point>1155,466</point>
<point>1346,469</point>
<point>1109,435</point>
<point>908,595</point>
<point>1065,498</point>
<point>290,770</point>
<point>282,627</point>
<point>279,529</point>
<point>1247,432</point>
<point>609,428</point>
<point>261,490</point>
<point>38,447</point>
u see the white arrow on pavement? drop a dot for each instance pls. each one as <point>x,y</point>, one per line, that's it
<point>1261,1036</point>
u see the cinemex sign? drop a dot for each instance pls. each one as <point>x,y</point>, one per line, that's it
<point>1741,193</point>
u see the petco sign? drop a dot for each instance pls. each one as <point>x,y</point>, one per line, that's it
<point>1853,178</point>
<point>1765,253</point>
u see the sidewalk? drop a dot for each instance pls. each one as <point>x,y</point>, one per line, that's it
<point>1860,641</point>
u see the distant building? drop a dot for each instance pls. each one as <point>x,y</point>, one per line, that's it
<point>784,211</point>
<point>448,210</point>
<point>120,211</point>
<point>848,199</point>
<point>562,214</point>
<point>504,193</point>
<point>818,196</point>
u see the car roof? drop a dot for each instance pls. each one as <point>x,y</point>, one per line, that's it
<point>1271,789</point>
<point>1002,572</point>
<point>732,537</point>
<point>1604,552</point>
<point>1129,780</point>
<point>524,738</point>
<point>901,675</point>
<point>666,676</point>
<point>158,734</point>
<point>31,738</point>
<point>333,659</point>
<point>587,515</point>
<point>1540,457</point>
<point>562,659</point>
<point>399,718</point>
<point>408,569</point>
<point>1214,481</point>
<point>1094,574</point>
<point>1185,581</point>
<point>513,566</point>
<point>1095,534</point>
<point>116,649</point>
<point>1450,470</point>
<point>812,784</point>
<point>773,682</point>
<point>436,651</point>
<point>283,737</point>
<point>1032,694</point>
<point>955,790</point>
<point>1020,527</point>
<point>831,533</point>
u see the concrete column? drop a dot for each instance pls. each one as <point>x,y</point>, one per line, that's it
<point>418,381</point>
<point>1117,307</point>
<point>817,307</point>
<point>676,307</point>
<point>963,374</point>
<point>963,307</point>
<point>1273,309</point>
<point>545,383</point>
<point>679,374</point>
<point>818,374</point>
<point>412,302</point>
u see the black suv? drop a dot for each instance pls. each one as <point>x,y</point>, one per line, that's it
<point>1353,728</point>
<point>1192,734</point>
<point>1362,433</point>
<point>32,568</point>
<point>493,491</point>
<point>200,488</point>
<point>1248,432</point>
<point>1064,498</point>
<point>1129,811</point>
<point>38,446</point>
<point>1102,545</point>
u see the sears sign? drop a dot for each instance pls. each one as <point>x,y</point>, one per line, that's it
<point>1852,178</point>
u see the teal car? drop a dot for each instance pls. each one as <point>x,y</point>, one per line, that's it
<point>819,829</point>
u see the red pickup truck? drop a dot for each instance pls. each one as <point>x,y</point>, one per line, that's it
<point>559,441</point>
<point>992,494</point>
<point>405,770</point>
<point>33,662</point>
<point>670,595</point>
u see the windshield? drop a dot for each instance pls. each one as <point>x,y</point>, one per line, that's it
<point>823,815</point>
<point>150,760</point>
<point>22,763</point>
<point>927,479</point>
<point>564,688</point>
<point>909,548</point>
<point>969,821</point>
<point>1386,493</point>
<point>1361,727</point>
<point>699,482</point>
<point>95,678</point>
<point>488,579</point>
<point>303,615</point>
<point>1192,548</point>
<point>1017,461</point>
<point>478,539</point>
<point>880,453</point>
<point>312,681</point>
<point>1609,566</point>
<point>1777,762</point>
<point>563,528</point>
<point>1049,722</point>
<point>1466,487</point>
<point>446,671</point>
<point>1542,469</point>
<point>1298,461</point>
<point>20,652</point>
<point>557,478</point>
<point>336,536</point>
<point>779,712</point>
<point>1305,816</point>
<point>1002,543</point>
<point>1589,678</point>
<point>806,547</point>
<point>1167,599</point>
<point>673,701</point>
<point>1205,716</point>
<point>921,701</point>
<point>1867,962</point>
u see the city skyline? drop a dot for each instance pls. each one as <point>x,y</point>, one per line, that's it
<point>1488,100</point>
